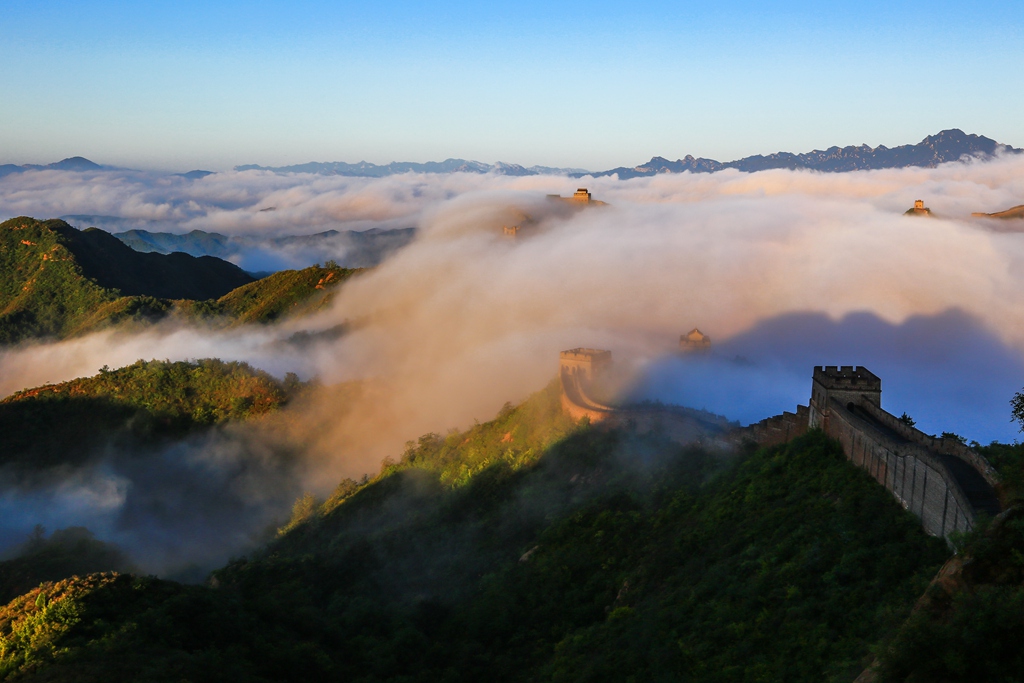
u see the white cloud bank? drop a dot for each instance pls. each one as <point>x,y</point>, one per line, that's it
<point>463,320</point>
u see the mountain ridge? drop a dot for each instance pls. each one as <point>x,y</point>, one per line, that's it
<point>943,147</point>
<point>69,164</point>
<point>56,281</point>
<point>354,248</point>
<point>365,169</point>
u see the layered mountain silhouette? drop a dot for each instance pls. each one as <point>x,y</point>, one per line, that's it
<point>357,249</point>
<point>56,280</point>
<point>69,164</point>
<point>948,145</point>
<point>365,169</point>
<point>114,265</point>
<point>945,146</point>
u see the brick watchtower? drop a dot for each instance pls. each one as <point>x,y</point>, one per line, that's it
<point>846,384</point>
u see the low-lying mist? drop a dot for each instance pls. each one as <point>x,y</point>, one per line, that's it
<point>783,269</point>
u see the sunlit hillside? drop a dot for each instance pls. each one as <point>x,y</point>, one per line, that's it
<point>56,281</point>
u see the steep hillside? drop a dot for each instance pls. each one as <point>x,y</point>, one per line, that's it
<point>284,294</point>
<point>66,552</point>
<point>56,281</point>
<point>60,424</point>
<point>113,265</point>
<point>968,624</point>
<point>526,548</point>
<point>43,290</point>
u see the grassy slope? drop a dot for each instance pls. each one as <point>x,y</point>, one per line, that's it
<point>59,424</point>
<point>526,549</point>
<point>44,291</point>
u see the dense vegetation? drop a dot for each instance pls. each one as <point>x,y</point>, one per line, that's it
<point>56,281</point>
<point>43,291</point>
<point>66,552</point>
<point>522,549</point>
<point>60,424</point>
<point>284,294</point>
<point>969,624</point>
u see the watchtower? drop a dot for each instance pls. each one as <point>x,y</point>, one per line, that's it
<point>694,340</point>
<point>846,384</point>
<point>586,364</point>
<point>510,231</point>
<point>919,209</point>
<point>581,195</point>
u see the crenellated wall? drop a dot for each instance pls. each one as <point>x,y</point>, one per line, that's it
<point>773,431</point>
<point>923,484</point>
<point>942,481</point>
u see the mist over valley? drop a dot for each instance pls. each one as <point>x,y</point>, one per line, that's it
<point>374,392</point>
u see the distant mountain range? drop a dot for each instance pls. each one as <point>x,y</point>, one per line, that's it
<point>69,164</point>
<point>255,253</point>
<point>949,145</point>
<point>946,146</point>
<point>81,164</point>
<point>365,169</point>
<point>352,249</point>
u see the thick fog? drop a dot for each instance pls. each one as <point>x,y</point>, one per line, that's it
<point>784,270</point>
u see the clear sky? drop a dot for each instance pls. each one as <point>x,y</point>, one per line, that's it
<point>180,85</point>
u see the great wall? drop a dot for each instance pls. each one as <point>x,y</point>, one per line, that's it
<point>943,482</point>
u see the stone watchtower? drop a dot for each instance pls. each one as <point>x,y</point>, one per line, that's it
<point>694,340</point>
<point>846,384</point>
<point>586,364</point>
<point>581,195</point>
<point>919,209</point>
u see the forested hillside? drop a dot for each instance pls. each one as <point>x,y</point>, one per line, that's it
<point>526,548</point>
<point>56,281</point>
<point>59,425</point>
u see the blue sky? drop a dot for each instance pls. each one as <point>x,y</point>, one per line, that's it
<point>191,84</point>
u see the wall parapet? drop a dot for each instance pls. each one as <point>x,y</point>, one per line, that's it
<point>943,445</point>
<point>920,481</point>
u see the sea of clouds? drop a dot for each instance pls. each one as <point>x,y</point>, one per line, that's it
<point>785,270</point>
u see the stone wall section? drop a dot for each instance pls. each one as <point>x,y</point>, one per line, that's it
<point>773,431</point>
<point>919,481</point>
<point>942,481</point>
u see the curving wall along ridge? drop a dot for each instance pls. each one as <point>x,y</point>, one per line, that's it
<point>946,484</point>
<point>578,370</point>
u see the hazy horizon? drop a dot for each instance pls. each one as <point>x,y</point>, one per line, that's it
<point>198,85</point>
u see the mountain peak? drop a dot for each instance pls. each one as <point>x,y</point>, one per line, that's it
<point>75,164</point>
<point>943,147</point>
